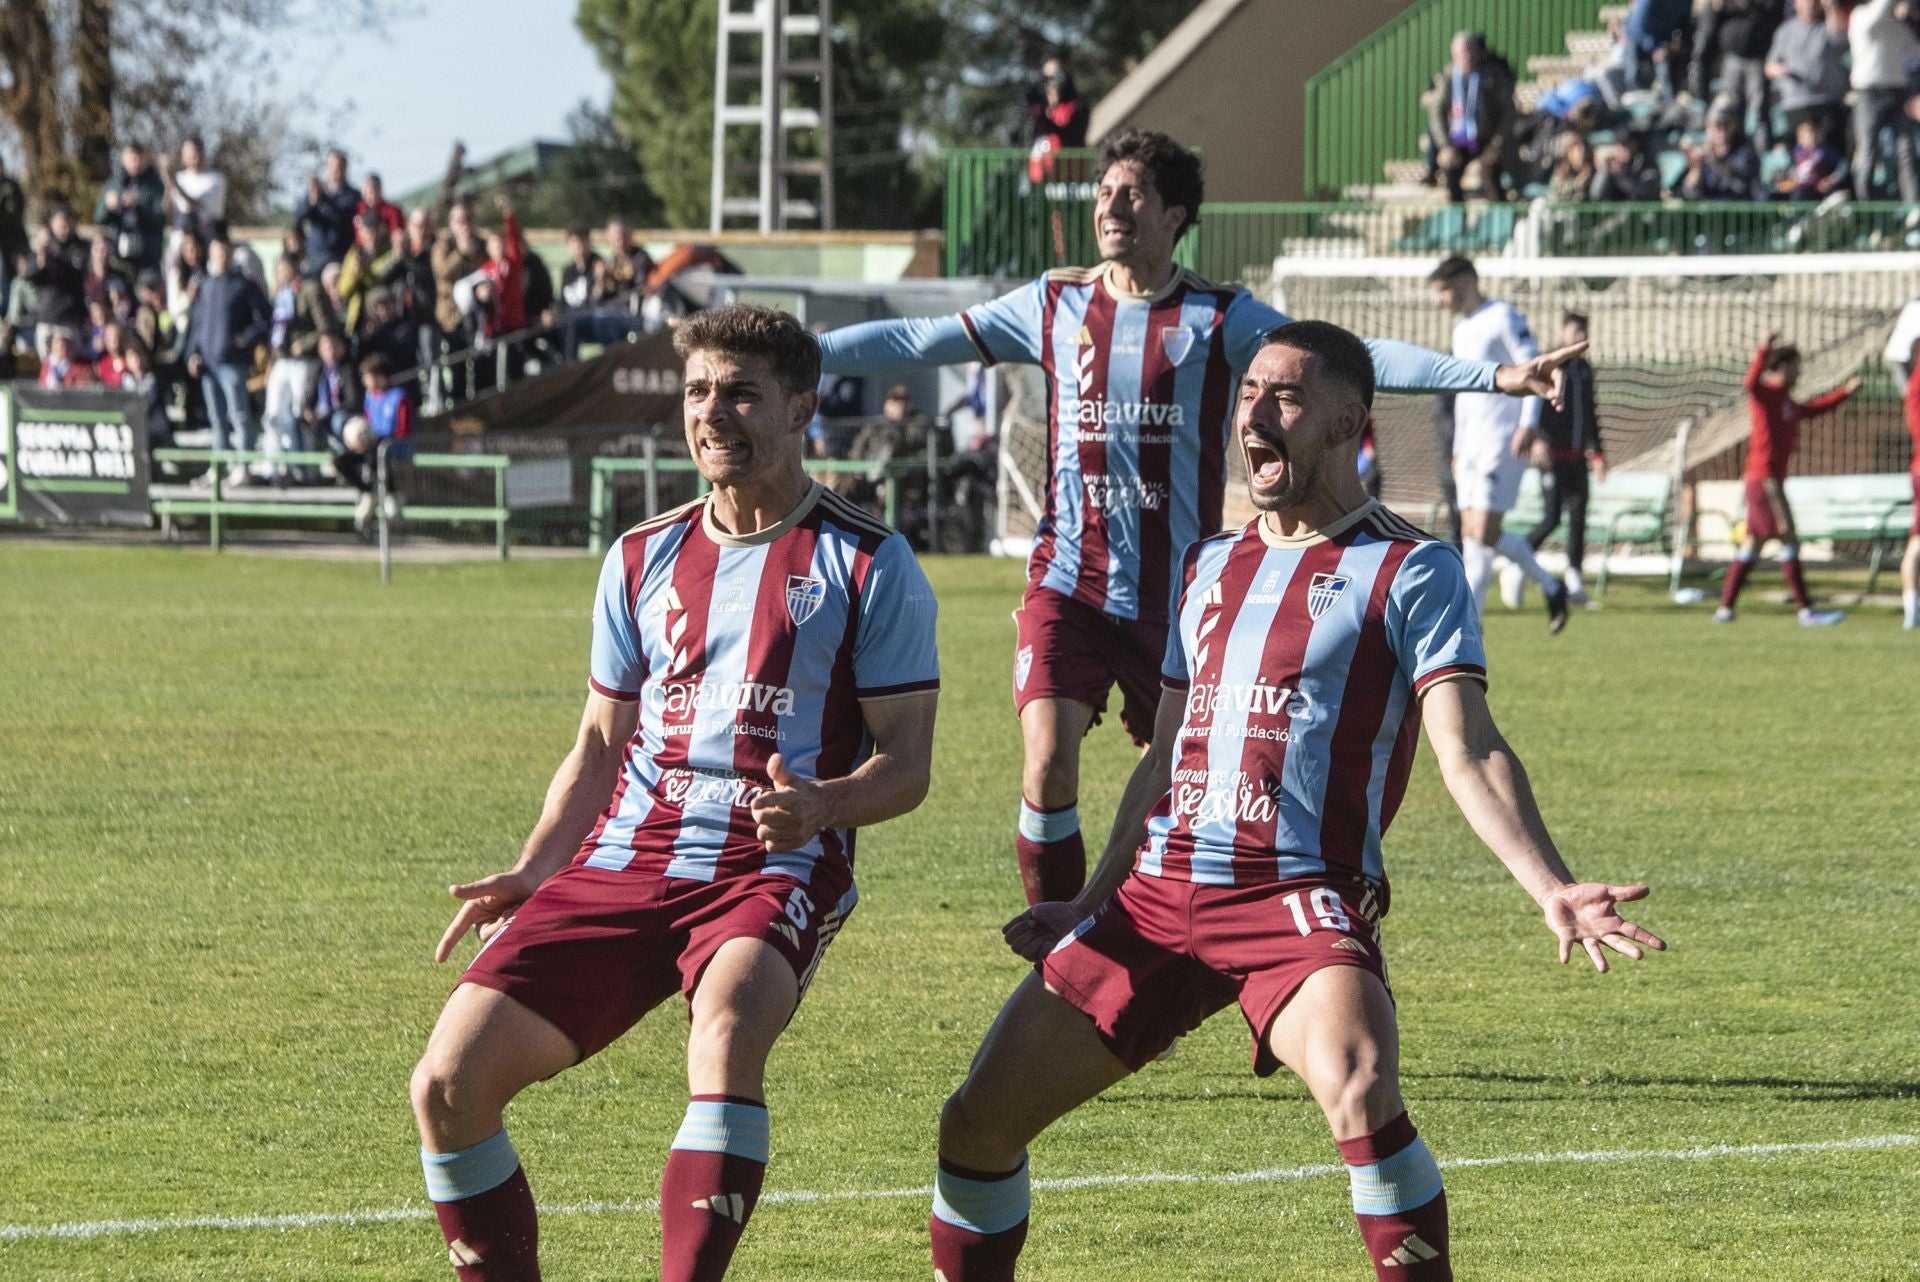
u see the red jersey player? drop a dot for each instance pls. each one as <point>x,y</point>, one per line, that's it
<point>1910,562</point>
<point>1776,431</point>
<point>1306,652</point>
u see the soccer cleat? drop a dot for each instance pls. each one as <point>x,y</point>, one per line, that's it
<point>1811,618</point>
<point>1556,611</point>
<point>1513,586</point>
<point>1723,615</point>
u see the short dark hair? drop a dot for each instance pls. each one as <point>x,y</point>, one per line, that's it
<point>1454,268</point>
<point>376,365</point>
<point>1176,172</point>
<point>1780,356</point>
<point>741,330</point>
<point>1342,355</point>
<point>1575,318</point>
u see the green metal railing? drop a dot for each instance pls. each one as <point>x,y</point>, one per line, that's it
<point>1364,109</point>
<point>221,502</point>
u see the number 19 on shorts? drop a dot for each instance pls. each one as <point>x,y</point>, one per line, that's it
<point>1326,907</point>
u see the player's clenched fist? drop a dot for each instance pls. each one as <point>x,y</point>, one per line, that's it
<point>792,811</point>
<point>1034,932</point>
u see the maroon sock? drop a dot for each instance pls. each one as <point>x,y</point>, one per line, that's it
<point>707,1193</point>
<point>1796,581</point>
<point>1736,579</point>
<point>973,1254</point>
<point>1399,1204</point>
<point>1053,856</point>
<point>493,1236</point>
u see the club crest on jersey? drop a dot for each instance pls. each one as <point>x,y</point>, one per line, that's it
<point>1322,591</point>
<point>1177,342</point>
<point>1022,667</point>
<point>804,597</point>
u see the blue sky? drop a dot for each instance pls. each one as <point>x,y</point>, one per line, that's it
<point>493,73</point>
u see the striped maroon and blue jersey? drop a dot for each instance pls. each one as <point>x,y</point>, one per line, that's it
<point>1301,663</point>
<point>737,647</point>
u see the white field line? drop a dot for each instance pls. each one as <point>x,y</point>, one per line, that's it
<point>315,1219</point>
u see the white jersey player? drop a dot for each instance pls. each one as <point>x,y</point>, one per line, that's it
<point>1492,436</point>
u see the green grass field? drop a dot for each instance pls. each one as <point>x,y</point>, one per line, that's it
<point>233,789</point>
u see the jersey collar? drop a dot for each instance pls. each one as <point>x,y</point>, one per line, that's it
<point>1333,531</point>
<point>1129,296</point>
<point>758,537</point>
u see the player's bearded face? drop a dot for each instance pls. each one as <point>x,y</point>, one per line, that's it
<point>742,424</point>
<point>1286,420</point>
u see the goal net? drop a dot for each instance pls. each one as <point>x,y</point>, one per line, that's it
<point>1672,338</point>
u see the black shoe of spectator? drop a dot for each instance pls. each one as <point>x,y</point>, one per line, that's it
<point>1557,610</point>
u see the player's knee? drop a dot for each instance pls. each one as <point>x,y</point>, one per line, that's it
<point>434,1091</point>
<point>1357,1091</point>
<point>1052,774</point>
<point>962,1125</point>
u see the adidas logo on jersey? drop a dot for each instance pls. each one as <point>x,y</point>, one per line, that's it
<point>1411,1251</point>
<point>734,1207</point>
<point>1084,338</point>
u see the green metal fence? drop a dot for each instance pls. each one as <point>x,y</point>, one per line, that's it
<point>1364,109</point>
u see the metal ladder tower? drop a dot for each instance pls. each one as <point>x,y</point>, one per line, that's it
<point>795,52</point>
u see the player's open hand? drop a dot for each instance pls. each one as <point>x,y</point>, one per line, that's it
<point>791,812</point>
<point>483,903</point>
<point>1584,914</point>
<point>1034,932</point>
<point>1541,376</point>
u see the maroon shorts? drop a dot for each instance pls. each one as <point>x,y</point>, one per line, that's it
<point>1161,956</point>
<point>1916,505</point>
<point>1066,649</point>
<point>595,949</point>
<point>1768,516</point>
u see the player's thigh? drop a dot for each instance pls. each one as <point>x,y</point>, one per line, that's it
<point>1340,1036</point>
<point>1050,733</point>
<point>486,1048</point>
<point>742,1002</point>
<point>1041,1059</point>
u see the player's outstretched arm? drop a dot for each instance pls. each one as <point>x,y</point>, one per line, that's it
<point>889,783</point>
<point>1034,932</point>
<point>1540,375</point>
<point>575,798</point>
<point>877,346</point>
<point>1490,786</point>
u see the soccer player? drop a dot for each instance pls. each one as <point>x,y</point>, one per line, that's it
<point>1308,650</point>
<point>1492,435</point>
<point>1140,358</point>
<point>1568,447</point>
<point>1910,560</point>
<point>1776,420</point>
<point>763,681</point>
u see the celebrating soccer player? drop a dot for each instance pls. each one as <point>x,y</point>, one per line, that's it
<point>1307,651</point>
<point>1140,358</point>
<point>1776,433</point>
<point>763,681</point>
<point>1492,436</point>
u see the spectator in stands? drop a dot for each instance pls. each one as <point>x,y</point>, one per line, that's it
<point>1730,43</point>
<point>132,210</point>
<point>1807,64</point>
<point>326,213</point>
<point>1726,167</point>
<point>389,416</point>
<point>102,270</point>
<point>1656,35</point>
<point>1575,106</point>
<point>93,338</point>
<point>506,269</point>
<point>63,366</point>
<point>1818,169</point>
<point>301,313</point>
<point>363,267</point>
<point>373,200</point>
<point>629,266</point>
<point>13,228</point>
<point>58,278</point>
<point>457,255</point>
<point>140,379</point>
<point>154,327</point>
<point>110,355</point>
<point>1573,173</point>
<point>241,255</point>
<point>580,278</point>
<point>1470,117</point>
<point>410,272</point>
<point>183,280</point>
<point>336,390</point>
<point>389,332</point>
<point>1057,115</point>
<point>330,286</point>
<point>196,195</point>
<point>230,318</point>
<point>1884,46</point>
<point>119,298</point>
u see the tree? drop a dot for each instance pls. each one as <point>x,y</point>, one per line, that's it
<point>80,77</point>
<point>595,180</point>
<point>911,76</point>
